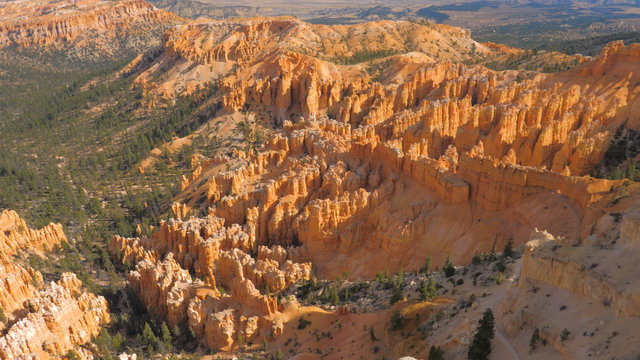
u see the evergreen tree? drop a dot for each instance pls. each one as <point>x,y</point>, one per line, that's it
<point>431,289</point>
<point>436,353</point>
<point>148,336</point>
<point>492,253</point>
<point>508,248</point>
<point>535,336</point>
<point>166,335</point>
<point>448,268</point>
<point>335,299</point>
<point>427,290</point>
<point>480,347</point>
<point>397,295</point>
<point>426,268</point>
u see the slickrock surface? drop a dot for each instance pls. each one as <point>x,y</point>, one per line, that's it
<point>43,320</point>
<point>232,271</point>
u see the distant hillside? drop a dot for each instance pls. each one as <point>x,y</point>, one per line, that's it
<point>592,45</point>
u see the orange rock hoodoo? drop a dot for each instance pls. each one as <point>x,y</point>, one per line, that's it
<point>58,22</point>
<point>15,235</point>
<point>433,156</point>
<point>221,258</point>
<point>42,321</point>
<point>439,136</point>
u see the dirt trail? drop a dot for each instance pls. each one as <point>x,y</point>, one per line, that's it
<point>503,349</point>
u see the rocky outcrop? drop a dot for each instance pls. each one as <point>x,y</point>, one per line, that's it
<point>439,135</point>
<point>231,294</point>
<point>17,284</point>
<point>59,317</point>
<point>56,23</point>
<point>334,188</point>
<point>291,66</point>
<point>594,285</point>
<point>564,266</point>
<point>43,321</point>
<point>561,122</point>
<point>15,235</point>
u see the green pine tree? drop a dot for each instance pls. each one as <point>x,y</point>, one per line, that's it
<point>448,268</point>
<point>436,353</point>
<point>426,267</point>
<point>508,248</point>
<point>480,347</point>
<point>166,335</point>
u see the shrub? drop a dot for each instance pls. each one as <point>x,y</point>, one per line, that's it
<point>303,323</point>
<point>397,320</point>
<point>72,355</point>
<point>501,264</point>
<point>448,268</point>
<point>477,259</point>
<point>535,336</point>
<point>564,336</point>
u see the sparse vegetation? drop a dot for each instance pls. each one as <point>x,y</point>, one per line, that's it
<point>397,320</point>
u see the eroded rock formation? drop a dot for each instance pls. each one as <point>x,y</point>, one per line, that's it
<point>87,29</point>
<point>229,295</point>
<point>61,316</point>
<point>43,320</point>
<point>460,144</point>
<point>369,158</point>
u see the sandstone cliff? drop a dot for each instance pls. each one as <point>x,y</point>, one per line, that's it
<point>61,316</point>
<point>374,149</point>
